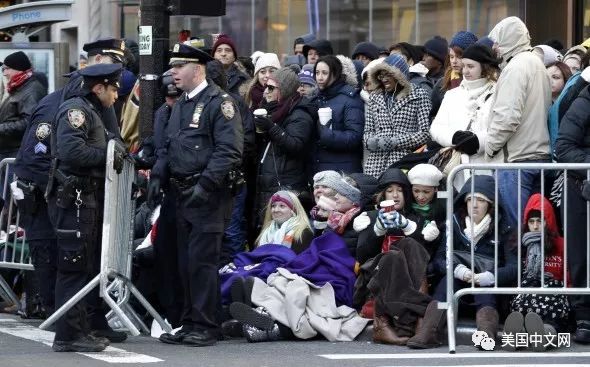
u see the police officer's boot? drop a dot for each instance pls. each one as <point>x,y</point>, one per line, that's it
<point>82,344</point>
<point>427,336</point>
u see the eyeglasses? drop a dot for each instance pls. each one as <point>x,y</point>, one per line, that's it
<point>382,75</point>
<point>270,88</point>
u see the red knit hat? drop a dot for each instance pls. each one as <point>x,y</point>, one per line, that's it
<point>224,39</point>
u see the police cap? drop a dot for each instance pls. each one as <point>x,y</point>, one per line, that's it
<point>181,54</point>
<point>108,74</point>
<point>107,46</point>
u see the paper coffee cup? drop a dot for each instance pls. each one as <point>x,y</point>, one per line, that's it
<point>260,112</point>
<point>387,205</point>
<point>325,115</point>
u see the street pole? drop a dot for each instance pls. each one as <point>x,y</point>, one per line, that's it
<point>153,13</point>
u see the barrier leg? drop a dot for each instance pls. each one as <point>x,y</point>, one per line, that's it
<point>71,302</point>
<point>149,307</point>
<point>451,327</point>
<point>118,311</point>
<point>7,293</point>
<point>130,311</point>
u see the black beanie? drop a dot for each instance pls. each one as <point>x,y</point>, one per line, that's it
<point>18,61</point>
<point>481,54</point>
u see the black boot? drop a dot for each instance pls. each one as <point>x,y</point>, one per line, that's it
<point>82,344</point>
<point>112,335</point>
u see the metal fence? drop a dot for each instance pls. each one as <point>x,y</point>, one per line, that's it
<point>542,168</point>
<point>114,278</point>
<point>14,252</point>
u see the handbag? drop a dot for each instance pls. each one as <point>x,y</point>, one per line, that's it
<point>446,159</point>
<point>481,263</point>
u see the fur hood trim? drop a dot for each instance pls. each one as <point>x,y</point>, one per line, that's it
<point>397,75</point>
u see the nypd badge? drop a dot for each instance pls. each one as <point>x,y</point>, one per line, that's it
<point>43,131</point>
<point>76,118</point>
<point>227,108</point>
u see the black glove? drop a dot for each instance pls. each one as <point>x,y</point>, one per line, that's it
<point>153,192</point>
<point>263,123</point>
<point>586,190</point>
<point>466,142</point>
<point>195,196</point>
<point>119,160</point>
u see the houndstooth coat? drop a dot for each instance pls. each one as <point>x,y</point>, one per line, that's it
<point>403,126</point>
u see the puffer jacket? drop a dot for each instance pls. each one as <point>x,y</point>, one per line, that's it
<point>285,160</point>
<point>15,112</point>
<point>339,142</point>
<point>518,121</point>
<point>403,123</point>
<point>235,79</point>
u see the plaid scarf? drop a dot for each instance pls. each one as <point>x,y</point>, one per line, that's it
<point>19,79</point>
<point>338,221</point>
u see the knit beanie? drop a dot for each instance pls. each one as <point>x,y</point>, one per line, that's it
<point>18,61</point>
<point>287,80</point>
<point>282,197</point>
<point>348,191</point>
<point>326,178</point>
<point>550,55</point>
<point>399,63</point>
<point>481,54</point>
<point>265,60</point>
<point>438,48</point>
<point>425,174</point>
<point>224,39</point>
<point>463,39</point>
<point>306,75</point>
<point>255,55</point>
<point>369,49</point>
<point>323,47</point>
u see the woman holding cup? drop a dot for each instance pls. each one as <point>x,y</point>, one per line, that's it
<point>341,119</point>
<point>284,126</point>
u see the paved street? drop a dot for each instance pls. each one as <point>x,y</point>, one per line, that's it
<point>23,344</point>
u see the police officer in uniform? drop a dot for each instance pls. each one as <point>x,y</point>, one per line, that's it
<point>204,144</point>
<point>79,148</point>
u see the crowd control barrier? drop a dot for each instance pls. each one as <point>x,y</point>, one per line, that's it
<point>14,252</point>
<point>453,297</point>
<point>114,279</point>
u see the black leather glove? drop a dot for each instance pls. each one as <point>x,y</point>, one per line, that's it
<point>465,142</point>
<point>153,192</point>
<point>263,123</point>
<point>195,196</point>
<point>119,161</point>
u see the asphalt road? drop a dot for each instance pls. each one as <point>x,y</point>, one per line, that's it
<point>23,344</point>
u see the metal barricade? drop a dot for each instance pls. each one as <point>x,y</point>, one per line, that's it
<point>13,247</point>
<point>114,278</point>
<point>453,297</point>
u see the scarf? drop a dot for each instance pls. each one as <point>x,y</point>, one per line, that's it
<point>279,234</point>
<point>280,109</point>
<point>19,79</point>
<point>532,242</point>
<point>422,210</point>
<point>456,78</point>
<point>338,221</point>
<point>256,94</point>
<point>478,229</point>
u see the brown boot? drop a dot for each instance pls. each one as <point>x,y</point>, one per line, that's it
<point>427,333</point>
<point>486,320</point>
<point>385,334</point>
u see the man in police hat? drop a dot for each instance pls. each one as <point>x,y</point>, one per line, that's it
<point>80,143</point>
<point>204,144</point>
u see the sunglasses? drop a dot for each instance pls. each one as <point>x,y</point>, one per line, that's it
<point>271,88</point>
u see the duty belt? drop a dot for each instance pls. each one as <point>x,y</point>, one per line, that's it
<point>86,184</point>
<point>183,183</point>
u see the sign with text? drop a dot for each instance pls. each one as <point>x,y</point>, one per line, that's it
<point>145,40</point>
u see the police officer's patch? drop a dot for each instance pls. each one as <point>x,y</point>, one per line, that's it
<point>227,108</point>
<point>43,131</point>
<point>76,118</point>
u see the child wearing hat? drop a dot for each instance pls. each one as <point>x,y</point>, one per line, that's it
<point>307,84</point>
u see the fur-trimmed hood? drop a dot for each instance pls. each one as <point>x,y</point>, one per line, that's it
<point>348,71</point>
<point>396,73</point>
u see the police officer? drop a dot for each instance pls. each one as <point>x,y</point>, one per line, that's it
<point>204,143</point>
<point>80,150</point>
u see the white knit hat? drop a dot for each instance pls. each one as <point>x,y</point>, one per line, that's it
<point>550,55</point>
<point>425,174</point>
<point>268,59</point>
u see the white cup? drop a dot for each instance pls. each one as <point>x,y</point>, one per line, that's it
<point>260,112</point>
<point>325,115</point>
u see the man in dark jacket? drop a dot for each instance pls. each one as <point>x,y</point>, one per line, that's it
<point>316,49</point>
<point>24,92</point>
<point>573,146</point>
<point>224,50</point>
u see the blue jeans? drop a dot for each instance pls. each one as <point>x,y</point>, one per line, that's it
<point>530,180</point>
<point>234,236</point>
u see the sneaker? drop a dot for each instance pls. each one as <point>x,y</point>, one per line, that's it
<point>249,316</point>
<point>112,335</point>
<point>82,344</point>
<point>583,332</point>
<point>256,335</point>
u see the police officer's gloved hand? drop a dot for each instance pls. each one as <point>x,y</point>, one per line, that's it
<point>153,192</point>
<point>465,142</point>
<point>195,196</point>
<point>263,123</point>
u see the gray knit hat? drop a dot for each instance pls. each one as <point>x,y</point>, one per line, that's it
<point>287,80</point>
<point>348,191</point>
<point>326,178</point>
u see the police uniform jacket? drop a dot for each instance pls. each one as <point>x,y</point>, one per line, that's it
<point>204,136</point>
<point>15,112</point>
<point>81,136</point>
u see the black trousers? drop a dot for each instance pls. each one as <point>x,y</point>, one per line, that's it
<point>200,232</point>
<point>576,244</point>
<point>78,261</point>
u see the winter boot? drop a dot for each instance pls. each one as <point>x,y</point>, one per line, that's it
<point>427,336</point>
<point>486,320</point>
<point>384,333</point>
